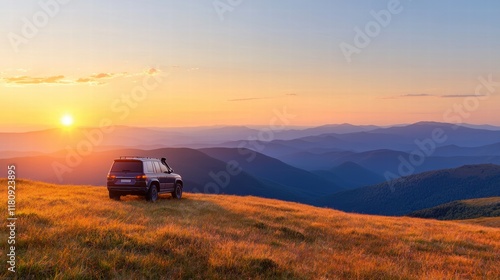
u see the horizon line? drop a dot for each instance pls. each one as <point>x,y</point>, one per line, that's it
<point>251,126</point>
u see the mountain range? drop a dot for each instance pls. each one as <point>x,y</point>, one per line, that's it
<point>341,166</point>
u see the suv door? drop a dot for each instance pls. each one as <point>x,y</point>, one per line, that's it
<point>170,177</point>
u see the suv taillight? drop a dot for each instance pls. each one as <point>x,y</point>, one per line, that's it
<point>111,177</point>
<point>140,177</point>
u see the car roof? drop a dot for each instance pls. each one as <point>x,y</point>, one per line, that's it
<point>135,158</point>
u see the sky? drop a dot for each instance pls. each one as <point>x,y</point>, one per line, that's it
<point>237,62</point>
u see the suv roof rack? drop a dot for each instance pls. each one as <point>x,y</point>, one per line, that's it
<point>127,157</point>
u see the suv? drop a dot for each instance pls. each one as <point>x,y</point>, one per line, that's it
<point>143,176</point>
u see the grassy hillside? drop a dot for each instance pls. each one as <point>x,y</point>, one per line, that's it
<point>483,221</point>
<point>463,209</point>
<point>76,231</point>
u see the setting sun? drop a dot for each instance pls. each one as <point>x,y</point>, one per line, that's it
<point>67,120</point>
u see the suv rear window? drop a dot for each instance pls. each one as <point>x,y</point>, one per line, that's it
<point>127,166</point>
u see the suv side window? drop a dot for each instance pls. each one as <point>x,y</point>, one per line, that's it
<point>157,166</point>
<point>163,168</point>
<point>149,167</point>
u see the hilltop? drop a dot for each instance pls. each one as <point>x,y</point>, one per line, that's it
<point>462,209</point>
<point>71,231</point>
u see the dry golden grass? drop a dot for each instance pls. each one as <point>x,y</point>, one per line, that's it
<point>76,232</point>
<point>484,221</point>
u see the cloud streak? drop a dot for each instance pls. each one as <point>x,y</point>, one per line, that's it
<point>417,95</point>
<point>460,95</point>
<point>247,99</point>
<point>94,79</point>
<point>261,98</point>
<point>100,78</point>
<point>27,80</point>
<point>432,95</point>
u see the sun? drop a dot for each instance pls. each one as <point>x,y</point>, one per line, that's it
<point>67,120</point>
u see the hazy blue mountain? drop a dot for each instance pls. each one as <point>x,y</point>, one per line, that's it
<point>484,126</point>
<point>321,139</point>
<point>454,150</point>
<point>421,191</point>
<point>359,141</point>
<point>273,170</point>
<point>455,135</point>
<point>324,129</point>
<point>401,138</point>
<point>314,161</point>
<point>382,161</point>
<point>320,151</point>
<point>350,175</point>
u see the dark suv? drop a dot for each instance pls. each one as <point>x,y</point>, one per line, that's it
<point>143,176</point>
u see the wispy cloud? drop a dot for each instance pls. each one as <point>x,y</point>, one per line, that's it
<point>460,95</point>
<point>417,95</point>
<point>261,98</point>
<point>409,95</point>
<point>100,78</point>
<point>94,79</point>
<point>103,78</point>
<point>27,80</point>
<point>432,95</point>
<point>247,99</point>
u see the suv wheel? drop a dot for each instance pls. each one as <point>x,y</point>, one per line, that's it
<point>114,196</point>
<point>177,193</point>
<point>152,194</point>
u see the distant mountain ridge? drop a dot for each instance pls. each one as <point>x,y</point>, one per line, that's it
<point>417,192</point>
<point>350,175</point>
<point>344,137</point>
<point>54,139</point>
<point>268,168</point>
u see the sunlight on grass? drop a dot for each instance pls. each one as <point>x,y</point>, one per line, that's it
<point>76,231</point>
